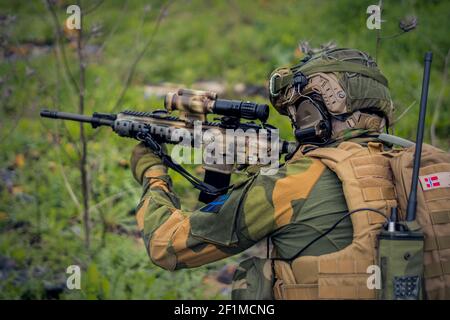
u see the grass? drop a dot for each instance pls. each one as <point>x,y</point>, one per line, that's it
<point>230,41</point>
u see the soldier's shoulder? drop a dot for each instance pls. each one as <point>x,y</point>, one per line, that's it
<point>301,157</point>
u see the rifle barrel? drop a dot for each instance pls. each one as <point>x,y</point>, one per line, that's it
<point>95,121</point>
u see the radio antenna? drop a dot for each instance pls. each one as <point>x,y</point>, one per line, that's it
<point>412,201</point>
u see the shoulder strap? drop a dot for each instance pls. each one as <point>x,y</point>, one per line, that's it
<point>333,154</point>
<point>336,154</point>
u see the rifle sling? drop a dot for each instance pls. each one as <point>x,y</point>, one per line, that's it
<point>168,161</point>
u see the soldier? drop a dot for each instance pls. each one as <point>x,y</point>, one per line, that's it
<point>336,96</point>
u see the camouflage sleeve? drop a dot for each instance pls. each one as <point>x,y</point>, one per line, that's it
<point>252,210</point>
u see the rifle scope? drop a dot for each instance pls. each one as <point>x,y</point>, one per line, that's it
<point>204,102</point>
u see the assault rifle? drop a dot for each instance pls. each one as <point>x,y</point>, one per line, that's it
<point>158,127</point>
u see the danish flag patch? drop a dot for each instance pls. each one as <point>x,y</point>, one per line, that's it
<point>435,180</point>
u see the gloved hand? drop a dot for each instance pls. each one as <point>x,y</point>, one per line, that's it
<point>142,158</point>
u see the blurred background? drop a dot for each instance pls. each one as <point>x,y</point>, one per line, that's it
<point>67,197</point>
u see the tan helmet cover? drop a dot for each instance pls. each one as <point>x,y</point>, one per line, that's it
<point>348,80</point>
<point>327,85</point>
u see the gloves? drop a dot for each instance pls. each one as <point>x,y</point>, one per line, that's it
<point>142,158</point>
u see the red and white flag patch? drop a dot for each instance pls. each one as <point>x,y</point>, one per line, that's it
<point>435,180</point>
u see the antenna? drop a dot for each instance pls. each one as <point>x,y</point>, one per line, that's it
<point>412,201</point>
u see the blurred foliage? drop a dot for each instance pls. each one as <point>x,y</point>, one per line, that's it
<point>229,41</point>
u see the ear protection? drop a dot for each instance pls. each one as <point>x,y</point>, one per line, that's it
<point>312,122</point>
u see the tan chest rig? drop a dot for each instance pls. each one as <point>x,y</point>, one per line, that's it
<point>367,183</point>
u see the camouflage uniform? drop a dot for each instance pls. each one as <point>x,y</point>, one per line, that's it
<point>337,95</point>
<point>291,207</point>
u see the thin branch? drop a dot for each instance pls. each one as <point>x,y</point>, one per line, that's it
<point>392,36</point>
<point>107,200</point>
<point>60,46</point>
<point>69,188</point>
<point>404,112</point>
<point>116,26</point>
<point>139,34</point>
<point>18,115</point>
<point>132,68</point>
<point>94,7</point>
<point>437,108</point>
<point>109,36</point>
<point>59,64</point>
<point>44,126</point>
<point>56,105</point>
<point>64,176</point>
<point>379,37</point>
<point>84,142</point>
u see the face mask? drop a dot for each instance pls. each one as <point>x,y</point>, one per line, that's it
<point>312,122</point>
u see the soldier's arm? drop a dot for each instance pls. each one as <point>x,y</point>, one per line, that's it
<point>178,239</point>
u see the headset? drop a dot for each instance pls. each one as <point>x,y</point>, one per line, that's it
<point>311,120</point>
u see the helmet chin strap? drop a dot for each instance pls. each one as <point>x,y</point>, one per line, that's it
<point>357,120</point>
<point>291,111</point>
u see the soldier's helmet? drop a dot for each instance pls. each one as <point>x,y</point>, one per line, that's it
<point>331,91</point>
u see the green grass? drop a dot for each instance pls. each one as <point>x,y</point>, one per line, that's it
<point>230,41</point>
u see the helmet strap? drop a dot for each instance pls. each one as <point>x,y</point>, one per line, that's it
<point>357,120</point>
